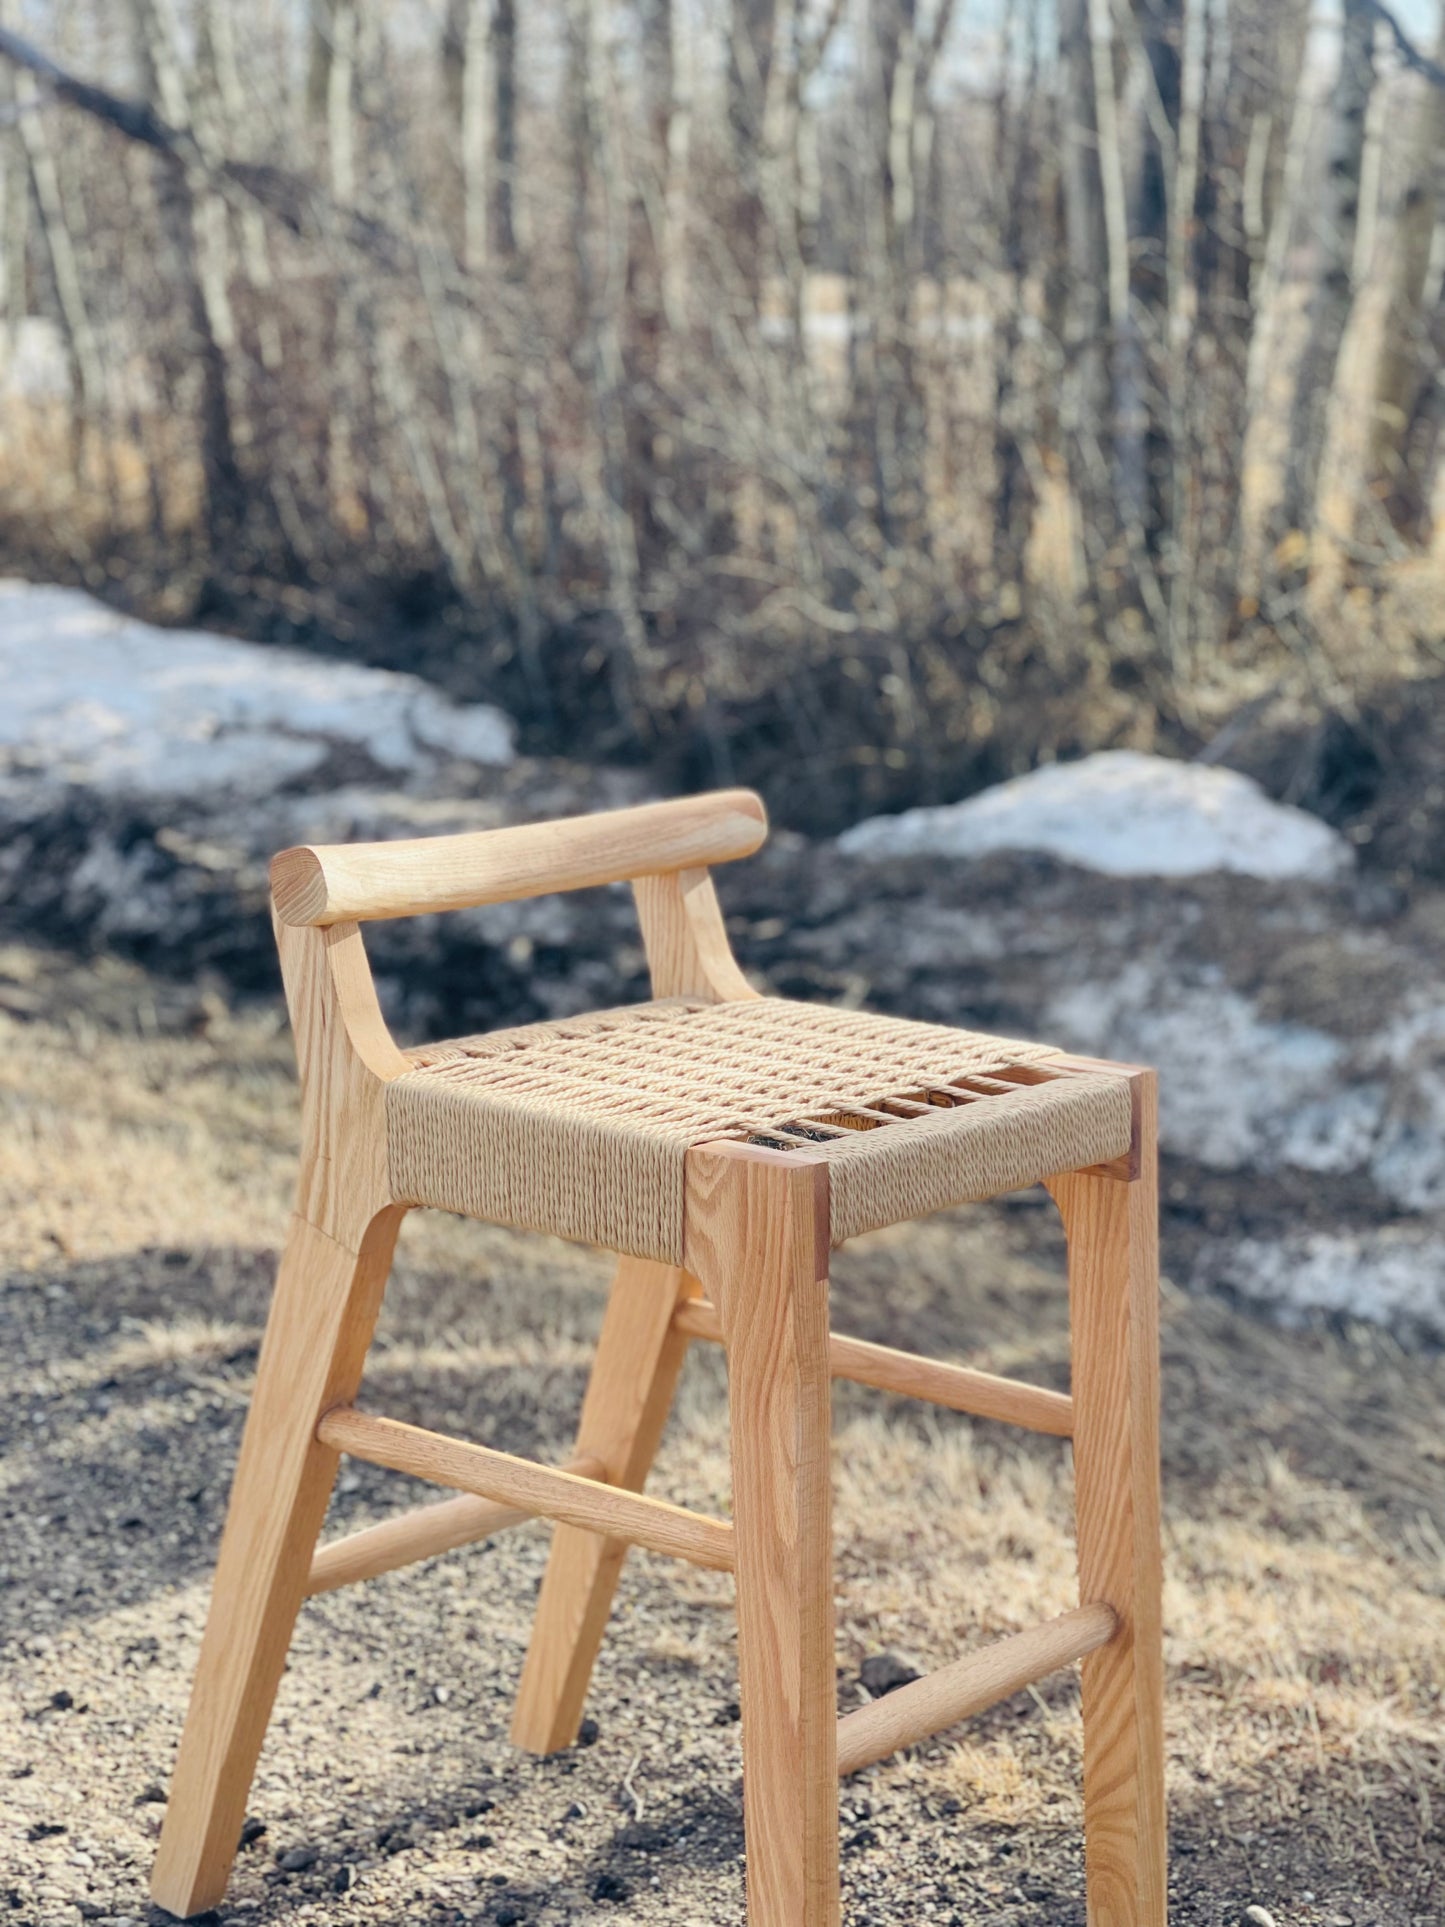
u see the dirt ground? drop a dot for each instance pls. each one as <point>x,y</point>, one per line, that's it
<point>145,1158</point>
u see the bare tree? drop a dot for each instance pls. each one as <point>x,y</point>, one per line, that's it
<point>479,83</point>
<point>1026,179</point>
<point>1093,289</point>
<point>761,361</point>
<point>224,114</point>
<point>56,231</point>
<point>1153,184</point>
<point>318,64</point>
<point>752,43</point>
<point>1410,343</point>
<point>14,212</point>
<point>193,228</point>
<point>1334,235</point>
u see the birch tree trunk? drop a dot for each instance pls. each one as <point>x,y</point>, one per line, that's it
<point>193,227</point>
<point>1259,509</point>
<point>600,254</point>
<point>14,219</point>
<point>318,60</point>
<point>224,122</point>
<point>676,192</point>
<point>752,39</point>
<point>1409,346</point>
<point>1084,320</point>
<point>1233,231</point>
<point>504,130</point>
<point>477,138</point>
<point>1335,234</point>
<point>343,27</point>
<point>1019,202</point>
<point>649,246</point>
<point>1152,179</point>
<point>73,313</point>
<point>479,85</point>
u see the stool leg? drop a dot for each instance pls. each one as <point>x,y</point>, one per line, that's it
<point>629,1394</point>
<point>322,1317</point>
<point>758,1238</point>
<point>1113,1239</point>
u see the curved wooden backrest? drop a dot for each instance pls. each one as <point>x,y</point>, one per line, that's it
<point>365,882</point>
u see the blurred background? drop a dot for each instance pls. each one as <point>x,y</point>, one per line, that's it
<point>866,401</point>
<point>1008,434</point>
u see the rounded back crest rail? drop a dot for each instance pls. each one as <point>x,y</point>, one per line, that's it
<point>722,1143</point>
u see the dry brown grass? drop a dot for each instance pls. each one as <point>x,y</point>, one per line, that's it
<point>140,1176</point>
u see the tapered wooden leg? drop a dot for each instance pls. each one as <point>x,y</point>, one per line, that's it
<point>1112,1228</point>
<point>758,1238</point>
<point>321,1322</point>
<point>639,1356</point>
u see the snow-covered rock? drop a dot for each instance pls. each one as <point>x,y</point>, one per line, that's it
<point>100,700</point>
<point>1124,814</point>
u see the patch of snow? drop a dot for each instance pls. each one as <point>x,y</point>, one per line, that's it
<point>1234,1088</point>
<point>1393,1274</point>
<point>1336,1131</point>
<point>1238,1090</point>
<point>1409,1160</point>
<point>100,699</point>
<point>1124,814</point>
<point>1407,1156</point>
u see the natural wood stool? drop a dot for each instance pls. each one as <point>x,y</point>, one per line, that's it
<point>722,1142</point>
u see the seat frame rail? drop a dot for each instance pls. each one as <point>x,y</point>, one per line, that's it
<point>500,1490</point>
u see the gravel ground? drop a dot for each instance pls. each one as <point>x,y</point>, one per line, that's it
<point>144,1164</point>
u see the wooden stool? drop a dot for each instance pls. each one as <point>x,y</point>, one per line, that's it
<point>722,1142</point>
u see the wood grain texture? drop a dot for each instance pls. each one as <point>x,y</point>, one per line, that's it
<point>687,946</point>
<point>542,1490</point>
<point>342,882</point>
<point>322,1317</point>
<point>345,1057</point>
<point>757,1234</point>
<point>957,1387</point>
<point>1112,1231</point>
<point>420,1534</point>
<point>639,1355</point>
<point>969,1685</point>
<point>757,1238</point>
<point>328,1291</point>
<point>629,1395</point>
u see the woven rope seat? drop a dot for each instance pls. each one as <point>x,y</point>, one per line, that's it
<point>581,1127</point>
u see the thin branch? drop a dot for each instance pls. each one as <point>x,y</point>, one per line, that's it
<point>813,51</point>
<point>1411,55</point>
<point>288,198</point>
<point>933,44</point>
<point>136,119</point>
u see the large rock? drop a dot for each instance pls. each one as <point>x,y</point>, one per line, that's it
<point>1124,814</point>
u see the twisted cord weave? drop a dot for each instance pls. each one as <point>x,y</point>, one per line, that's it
<point>581,1127</point>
